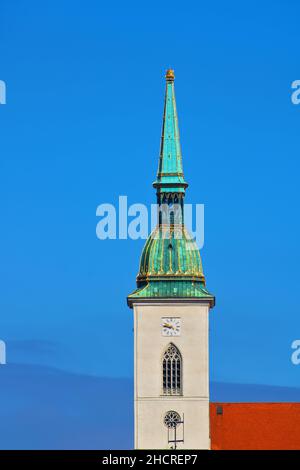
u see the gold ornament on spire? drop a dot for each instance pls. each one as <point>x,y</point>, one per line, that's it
<point>170,75</point>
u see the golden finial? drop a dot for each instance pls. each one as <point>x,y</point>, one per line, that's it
<point>170,75</point>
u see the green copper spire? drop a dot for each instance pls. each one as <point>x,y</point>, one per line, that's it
<point>170,173</point>
<point>170,265</point>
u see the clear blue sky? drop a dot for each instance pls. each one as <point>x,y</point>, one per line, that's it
<point>81,126</point>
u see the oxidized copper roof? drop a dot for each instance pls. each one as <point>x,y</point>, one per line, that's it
<point>170,264</point>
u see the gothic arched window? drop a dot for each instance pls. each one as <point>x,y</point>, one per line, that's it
<point>172,371</point>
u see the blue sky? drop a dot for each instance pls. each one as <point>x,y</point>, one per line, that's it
<point>82,125</point>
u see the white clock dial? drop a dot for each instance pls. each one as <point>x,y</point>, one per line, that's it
<point>171,326</point>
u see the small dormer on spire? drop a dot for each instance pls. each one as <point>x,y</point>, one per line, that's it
<point>170,177</point>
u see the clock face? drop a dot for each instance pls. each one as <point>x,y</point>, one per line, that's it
<point>171,326</point>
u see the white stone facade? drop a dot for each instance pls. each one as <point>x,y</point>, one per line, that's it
<point>151,404</point>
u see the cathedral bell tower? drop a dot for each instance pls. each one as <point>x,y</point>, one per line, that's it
<point>171,313</point>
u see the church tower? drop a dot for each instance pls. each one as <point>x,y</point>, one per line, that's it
<point>171,313</point>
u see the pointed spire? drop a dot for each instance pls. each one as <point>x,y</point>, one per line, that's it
<point>170,173</point>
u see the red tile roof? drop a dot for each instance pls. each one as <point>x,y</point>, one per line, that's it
<point>255,426</point>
